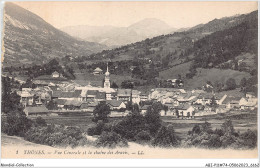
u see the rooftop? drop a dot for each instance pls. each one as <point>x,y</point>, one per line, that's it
<point>114,103</point>
<point>38,109</point>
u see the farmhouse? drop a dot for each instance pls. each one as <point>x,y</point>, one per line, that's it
<point>247,103</point>
<point>124,94</point>
<point>185,110</point>
<point>72,105</point>
<point>60,103</point>
<point>55,74</point>
<point>98,71</point>
<point>26,97</point>
<point>232,102</point>
<point>76,95</point>
<point>116,105</point>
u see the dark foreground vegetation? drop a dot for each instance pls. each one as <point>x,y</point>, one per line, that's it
<point>146,130</point>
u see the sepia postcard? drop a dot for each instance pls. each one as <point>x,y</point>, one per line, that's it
<point>129,80</point>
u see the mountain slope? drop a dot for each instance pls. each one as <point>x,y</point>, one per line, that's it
<point>28,38</point>
<point>118,36</point>
<point>225,51</point>
<point>223,23</point>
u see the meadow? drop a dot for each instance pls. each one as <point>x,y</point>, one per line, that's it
<point>241,121</point>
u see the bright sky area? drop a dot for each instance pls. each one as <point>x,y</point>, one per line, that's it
<point>123,14</point>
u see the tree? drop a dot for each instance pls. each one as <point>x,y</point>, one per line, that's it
<point>135,109</point>
<point>137,72</point>
<point>16,124</point>
<point>243,84</point>
<point>166,137</point>
<point>10,100</point>
<point>40,122</point>
<point>231,84</point>
<point>52,105</point>
<point>152,117</point>
<point>127,85</point>
<point>114,85</point>
<point>227,127</point>
<point>101,112</point>
<point>218,86</point>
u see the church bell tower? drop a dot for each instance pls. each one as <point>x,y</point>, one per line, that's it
<point>107,79</point>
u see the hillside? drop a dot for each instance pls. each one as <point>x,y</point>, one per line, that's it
<point>118,36</point>
<point>28,38</point>
<point>176,46</point>
<point>223,49</point>
<point>228,51</point>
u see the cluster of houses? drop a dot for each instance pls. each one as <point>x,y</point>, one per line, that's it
<point>67,96</point>
<point>63,96</point>
<point>188,104</point>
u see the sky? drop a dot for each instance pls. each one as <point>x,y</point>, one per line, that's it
<point>123,14</point>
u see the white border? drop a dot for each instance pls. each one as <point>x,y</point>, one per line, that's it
<point>123,162</point>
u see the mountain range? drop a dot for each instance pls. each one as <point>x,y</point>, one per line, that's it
<point>30,39</point>
<point>118,36</point>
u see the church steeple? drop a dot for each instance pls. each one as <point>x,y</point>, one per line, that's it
<point>107,80</point>
<point>107,73</point>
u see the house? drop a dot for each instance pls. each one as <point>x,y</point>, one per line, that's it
<point>40,83</point>
<point>75,95</point>
<point>98,71</point>
<point>247,103</point>
<point>220,98</point>
<point>92,106</point>
<point>143,97</point>
<point>175,82</point>
<point>185,110</point>
<point>209,109</point>
<point>170,112</point>
<point>72,104</point>
<point>124,95</point>
<point>113,96</point>
<point>232,102</point>
<point>204,98</point>
<point>221,109</point>
<point>198,107</point>
<point>250,95</point>
<point>136,96</point>
<point>100,96</point>
<point>95,95</point>
<point>84,106</point>
<point>116,105</point>
<point>39,110</point>
<point>118,113</point>
<point>27,97</point>
<point>21,79</point>
<point>60,103</point>
<point>91,94</point>
<point>55,74</point>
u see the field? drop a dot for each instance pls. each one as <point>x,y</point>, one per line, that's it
<point>241,121</point>
<point>214,75</point>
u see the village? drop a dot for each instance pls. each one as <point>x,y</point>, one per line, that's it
<point>55,95</point>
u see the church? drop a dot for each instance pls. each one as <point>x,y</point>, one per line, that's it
<point>107,89</point>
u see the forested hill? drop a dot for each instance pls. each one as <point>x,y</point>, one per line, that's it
<point>29,39</point>
<point>223,23</point>
<point>222,46</point>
